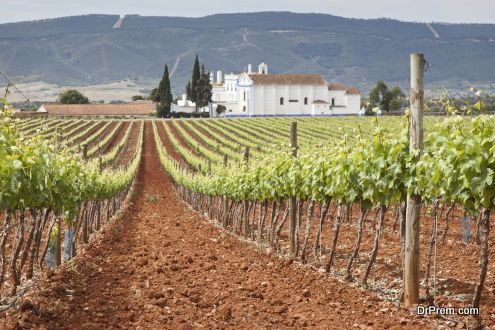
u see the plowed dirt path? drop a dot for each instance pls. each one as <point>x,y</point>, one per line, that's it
<point>162,266</point>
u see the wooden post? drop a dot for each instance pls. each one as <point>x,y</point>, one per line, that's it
<point>98,217</point>
<point>246,202</point>
<point>225,199</point>
<point>411,254</point>
<point>210,198</point>
<point>246,155</point>
<point>292,199</point>
<point>85,234</point>
<point>58,244</point>
<point>85,151</point>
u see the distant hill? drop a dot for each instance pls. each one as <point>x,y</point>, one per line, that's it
<point>84,50</point>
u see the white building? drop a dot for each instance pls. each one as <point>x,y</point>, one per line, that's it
<point>262,94</point>
<point>186,106</point>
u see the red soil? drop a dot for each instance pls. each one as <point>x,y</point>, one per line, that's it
<point>161,265</point>
<point>170,148</point>
<point>207,134</point>
<point>104,134</point>
<point>129,150</point>
<point>192,134</point>
<point>84,125</point>
<point>181,140</point>
<point>118,137</point>
<point>457,268</point>
<point>88,134</point>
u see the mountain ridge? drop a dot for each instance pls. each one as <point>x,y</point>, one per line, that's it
<point>82,50</point>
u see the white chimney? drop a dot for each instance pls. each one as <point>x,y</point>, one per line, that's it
<point>219,77</point>
<point>250,68</point>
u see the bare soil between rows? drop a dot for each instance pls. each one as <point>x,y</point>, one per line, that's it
<point>163,266</point>
<point>118,137</point>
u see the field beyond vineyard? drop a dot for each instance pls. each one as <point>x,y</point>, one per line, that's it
<point>197,243</point>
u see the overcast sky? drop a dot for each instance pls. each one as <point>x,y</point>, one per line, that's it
<point>455,11</point>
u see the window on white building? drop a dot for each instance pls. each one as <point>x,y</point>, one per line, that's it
<point>244,109</point>
<point>333,102</point>
<point>305,101</point>
<point>244,96</point>
<point>281,101</point>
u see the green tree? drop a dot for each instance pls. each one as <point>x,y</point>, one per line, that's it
<point>72,96</point>
<point>203,90</point>
<point>192,92</point>
<point>396,99</point>
<point>165,97</point>
<point>387,100</point>
<point>188,89</point>
<point>221,109</point>
<point>377,93</point>
<point>154,95</point>
<point>137,98</point>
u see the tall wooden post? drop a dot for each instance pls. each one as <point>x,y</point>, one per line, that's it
<point>411,254</point>
<point>292,199</point>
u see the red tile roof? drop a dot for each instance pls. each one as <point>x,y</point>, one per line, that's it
<point>336,87</point>
<point>127,109</point>
<point>287,79</point>
<point>340,87</point>
<point>353,90</point>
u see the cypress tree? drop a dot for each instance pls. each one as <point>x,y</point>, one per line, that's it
<point>204,93</point>
<point>165,93</point>
<point>196,76</point>
<point>188,90</point>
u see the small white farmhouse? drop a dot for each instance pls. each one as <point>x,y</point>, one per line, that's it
<point>262,94</point>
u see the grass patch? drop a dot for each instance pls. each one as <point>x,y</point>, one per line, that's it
<point>152,198</point>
